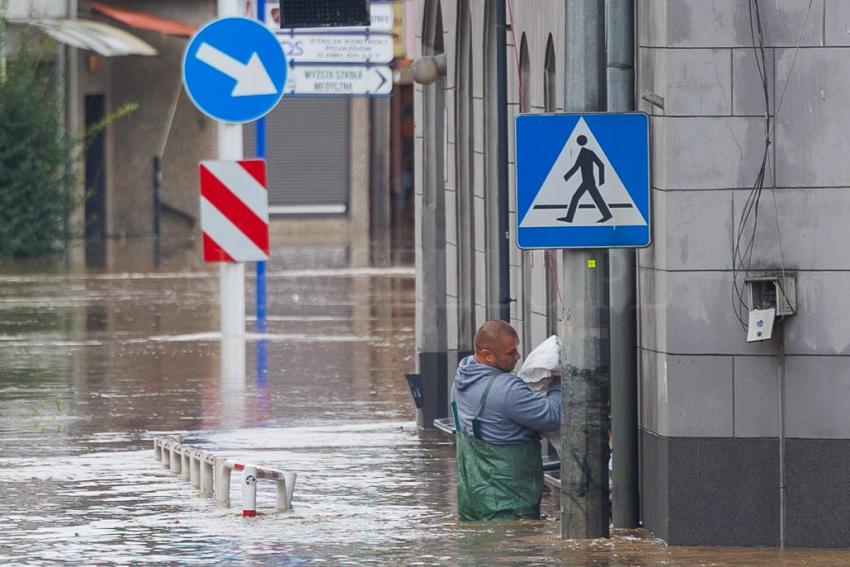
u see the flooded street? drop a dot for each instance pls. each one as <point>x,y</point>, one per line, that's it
<point>92,366</point>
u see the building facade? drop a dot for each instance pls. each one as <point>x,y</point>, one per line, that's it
<point>740,443</point>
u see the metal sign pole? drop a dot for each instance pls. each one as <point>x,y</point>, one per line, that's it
<point>232,274</point>
<point>261,153</point>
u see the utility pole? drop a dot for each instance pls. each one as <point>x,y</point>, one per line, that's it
<point>621,98</point>
<point>584,415</point>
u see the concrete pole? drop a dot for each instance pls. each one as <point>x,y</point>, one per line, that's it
<point>231,275</point>
<point>584,416</point>
<point>620,93</point>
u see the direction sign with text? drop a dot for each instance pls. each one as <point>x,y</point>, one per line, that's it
<point>337,48</point>
<point>339,80</point>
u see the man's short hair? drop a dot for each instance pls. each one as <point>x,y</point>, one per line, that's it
<point>489,334</point>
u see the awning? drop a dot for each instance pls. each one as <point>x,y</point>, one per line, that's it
<point>101,38</point>
<point>145,21</point>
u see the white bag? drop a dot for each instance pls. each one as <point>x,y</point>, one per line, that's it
<point>537,371</point>
<point>542,363</point>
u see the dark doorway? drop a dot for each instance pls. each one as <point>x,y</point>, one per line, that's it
<point>95,184</point>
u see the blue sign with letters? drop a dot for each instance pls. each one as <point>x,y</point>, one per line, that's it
<point>234,70</point>
<point>582,180</point>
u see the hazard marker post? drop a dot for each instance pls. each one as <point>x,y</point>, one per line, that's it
<point>235,226</point>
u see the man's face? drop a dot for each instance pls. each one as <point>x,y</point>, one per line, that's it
<point>504,355</point>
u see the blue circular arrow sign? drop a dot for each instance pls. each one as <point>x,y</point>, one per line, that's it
<point>234,70</point>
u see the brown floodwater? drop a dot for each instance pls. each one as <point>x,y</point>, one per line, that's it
<point>93,365</point>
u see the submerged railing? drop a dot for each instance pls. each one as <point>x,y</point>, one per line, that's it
<point>211,474</point>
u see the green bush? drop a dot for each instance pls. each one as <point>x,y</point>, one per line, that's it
<point>36,159</point>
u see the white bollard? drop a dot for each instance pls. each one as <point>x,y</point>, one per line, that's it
<point>207,475</point>
<point>195,457</point>
<point>283,504</point>
<point>249,491</point>
<point>175,459</point>
<point>290,487</point>
<point>185,463</point>
<point>222,482</point>
<point>285,489</point>
<point>212,475</point>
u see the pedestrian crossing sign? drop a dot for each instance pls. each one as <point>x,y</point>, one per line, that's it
<point>582,180</point>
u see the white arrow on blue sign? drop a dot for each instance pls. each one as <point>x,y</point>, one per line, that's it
<point>582,180</point>
<point>234,70</point>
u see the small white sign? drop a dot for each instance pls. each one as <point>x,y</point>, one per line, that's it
<point>339,80</point>
<point>337,48</point>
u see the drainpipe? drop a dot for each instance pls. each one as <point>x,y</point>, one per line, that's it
<point>502,162</point>
<point>623,328</point>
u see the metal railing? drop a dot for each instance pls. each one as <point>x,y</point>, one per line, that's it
<point>211,474</point>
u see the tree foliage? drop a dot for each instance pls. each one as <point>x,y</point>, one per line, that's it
<point>36,158</point>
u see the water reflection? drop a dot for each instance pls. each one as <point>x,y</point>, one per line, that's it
<point>92,366</point>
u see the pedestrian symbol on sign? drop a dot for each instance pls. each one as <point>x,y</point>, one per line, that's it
<point>586,160</point>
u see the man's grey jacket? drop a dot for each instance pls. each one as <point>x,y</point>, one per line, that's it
<point>513,413</point>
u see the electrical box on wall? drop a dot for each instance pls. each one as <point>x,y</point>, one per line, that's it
<point>773,291</point>
<point>770,297</point>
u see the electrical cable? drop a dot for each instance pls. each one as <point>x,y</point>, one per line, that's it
<point>745,237</point>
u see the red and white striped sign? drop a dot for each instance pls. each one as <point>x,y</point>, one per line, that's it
<point>235,211</point>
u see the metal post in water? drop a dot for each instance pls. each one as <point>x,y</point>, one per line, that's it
<point>195,468</point>
<point>282,501</point>
<point>261,153</point>
<point>175,460</point>
<point>289,489</point>
<point>157,450</point>
<point>584,415</point>
<point>185,464</point>
<point>249,491</point>
<point>207,476</point>
<point>222,482</point>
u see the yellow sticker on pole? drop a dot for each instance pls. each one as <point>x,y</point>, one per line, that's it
<point>591,264</point>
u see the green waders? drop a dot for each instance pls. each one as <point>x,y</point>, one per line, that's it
<point>496,482</point>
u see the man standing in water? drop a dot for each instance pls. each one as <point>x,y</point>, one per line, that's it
<point>585,161</point>
<point>497,417</point>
